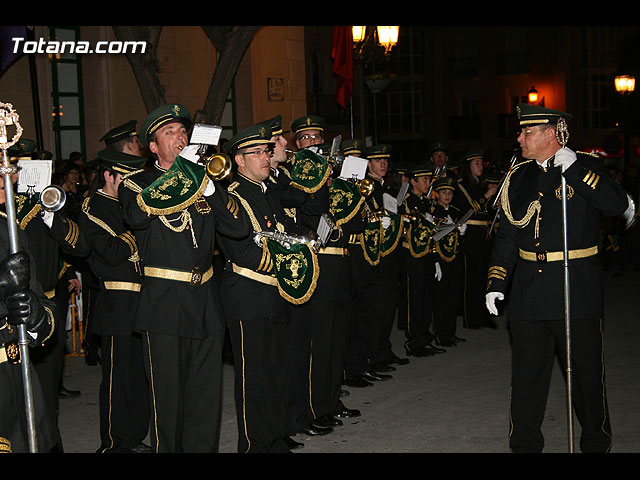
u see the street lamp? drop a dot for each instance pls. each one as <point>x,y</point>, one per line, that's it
<point>625,83</point>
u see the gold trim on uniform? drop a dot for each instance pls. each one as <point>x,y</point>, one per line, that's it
<point>5,445</point>
<point>482,223</point>
<point>497,272</point>
<point>558,256</point>
<point>334,251</point>
<point>194,277</point>
<point>591,179</point>
<point>258,277</point>
<point>72,234</point>
<point>129,286</point>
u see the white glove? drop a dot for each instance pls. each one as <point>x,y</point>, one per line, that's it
<point>386,221</point>
<point>448,219</point>
<point>429,217</point>
<point>490,300</point>
<point>47,218</point>
<point>564,158</point>
<point>463,228</point>
<point>438,275</point>
<point>190,152</point>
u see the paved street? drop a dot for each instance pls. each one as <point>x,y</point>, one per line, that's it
<point>456,402</point>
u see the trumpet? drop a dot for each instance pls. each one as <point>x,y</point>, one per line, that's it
<point>217,165</point>
<point>52,198</point>
<point>286,239</point>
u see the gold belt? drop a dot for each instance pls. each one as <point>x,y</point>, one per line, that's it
<point>334,251</point>
<point>50,294</point>
<point>253,275</point>
<point>129,286</point>
<point>542,257</point>
<point>193,277</point>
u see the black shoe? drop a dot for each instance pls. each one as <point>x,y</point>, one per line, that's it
<point>64,393</point>
<point>396,360</point>
<point>292,444</point>
<point>314,430</point>
<point>491,323</point>
<point>375,376</point>
<point>420,352</point>
<point>382,367</point>
<point>141,448</point>
<point>458,339</point>
<point>344,393</point>
<point>357,381</point>
<point>446,343</point>
<point>326,421</point>
<point>347,413</point>
<point>434,349</point>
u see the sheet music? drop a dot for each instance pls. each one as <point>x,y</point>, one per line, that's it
<point>34,174</point>
<point>354,167</point>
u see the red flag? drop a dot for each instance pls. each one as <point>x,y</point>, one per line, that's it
<point>342,54</point>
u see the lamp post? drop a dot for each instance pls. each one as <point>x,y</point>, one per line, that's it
<point>366,40</point>
<point>625,85</point>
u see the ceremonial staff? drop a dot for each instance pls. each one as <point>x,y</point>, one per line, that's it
<point>562,135</point>
<point>8,116</point>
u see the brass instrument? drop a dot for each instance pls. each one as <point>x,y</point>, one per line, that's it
<point>52,198</point>
<point>217,165</point>
<point>366,186</point>
<point>286,239</point>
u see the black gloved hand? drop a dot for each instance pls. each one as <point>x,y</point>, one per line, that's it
<point>15,273</point>
<point>24,308</point>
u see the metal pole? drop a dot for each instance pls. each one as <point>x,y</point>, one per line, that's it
<point>7,170</point>
<point>562,134</point>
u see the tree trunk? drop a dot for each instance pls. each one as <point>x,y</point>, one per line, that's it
<point>231,43</point>
<point>145,65</point>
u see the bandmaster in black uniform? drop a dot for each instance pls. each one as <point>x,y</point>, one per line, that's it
<point>529,255</point>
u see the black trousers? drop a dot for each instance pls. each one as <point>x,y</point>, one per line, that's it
<point>388,292</point>
<point>446,297</point>
<point>535,344</point>
<point>124,394</point>
<point>476,251</point>
<point>419,275</point>
<point>259,352</point>
<point>367,313</point>
<point>185,391</point>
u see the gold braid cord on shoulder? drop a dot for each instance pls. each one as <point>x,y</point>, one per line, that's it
<point>533,208</point>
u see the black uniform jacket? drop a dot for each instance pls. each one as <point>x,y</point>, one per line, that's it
<point>13,420</point>
<point>113,260</point>
<point>250,296</point>
<point>170,306</point>
<point>537,290</point>
<point>48,244</point>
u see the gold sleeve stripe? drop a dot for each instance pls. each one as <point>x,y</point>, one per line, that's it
<point>233,206</point>
<point>591,179</point>
<point>129,240</point>
<point>72,234</point>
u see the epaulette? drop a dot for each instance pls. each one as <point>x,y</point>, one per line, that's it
<point>233,186</point>
<point>591,154</point>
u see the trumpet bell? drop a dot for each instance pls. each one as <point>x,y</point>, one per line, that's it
<point>366,187</point>
<point>52,198</point>
<point>218,166</point>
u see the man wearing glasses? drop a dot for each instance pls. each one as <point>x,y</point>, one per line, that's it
<point>309,131</point>
<point>256,314</point>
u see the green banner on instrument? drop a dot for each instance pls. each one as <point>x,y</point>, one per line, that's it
<point>175,189</point>
<point>309,171</point>
<point>419,234</point>
<point>344,200</point>
<point>296,270</point>
<point>391,235</point>
<point>370,241</point>
<point>447,246</point>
